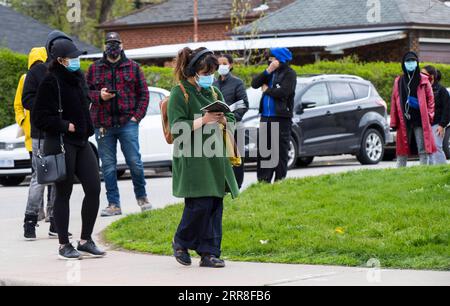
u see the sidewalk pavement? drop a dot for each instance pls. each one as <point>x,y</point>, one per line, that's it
<point>36,263</point>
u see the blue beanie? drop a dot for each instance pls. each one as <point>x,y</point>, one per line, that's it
<point>281,54</point>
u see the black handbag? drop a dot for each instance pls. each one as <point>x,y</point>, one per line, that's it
<point>52,168</point>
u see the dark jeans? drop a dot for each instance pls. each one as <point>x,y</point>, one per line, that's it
<point>82,162</point>
<point>200,228</point>
<point>284,134</point>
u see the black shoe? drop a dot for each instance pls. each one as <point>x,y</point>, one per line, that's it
<point>89,249</point>
<point>68,252</point>
<point>211,261</point>
<point>181,255</point>
<point>29,229</point>
<point>53,233</point>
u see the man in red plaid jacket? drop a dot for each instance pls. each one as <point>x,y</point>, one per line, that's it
<point>120,98</point>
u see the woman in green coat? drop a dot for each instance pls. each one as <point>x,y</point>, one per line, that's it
<point>201,178</point>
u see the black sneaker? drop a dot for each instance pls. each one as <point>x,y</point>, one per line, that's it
<point>181,255</point>
<point>211,261</point>
<point>52,233</point>
<point>30,230</point>
<point>90,250</point>
<point>68,252</point>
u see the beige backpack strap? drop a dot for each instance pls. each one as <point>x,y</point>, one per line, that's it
<point>186,95</point>
<point>215,95</point>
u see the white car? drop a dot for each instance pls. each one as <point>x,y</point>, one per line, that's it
<point>15,164</point>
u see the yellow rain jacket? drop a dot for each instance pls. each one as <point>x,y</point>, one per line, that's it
<point>22,115</point>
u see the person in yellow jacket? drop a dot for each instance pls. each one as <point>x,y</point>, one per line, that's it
<point>36,56</point>
<point>22,115</point>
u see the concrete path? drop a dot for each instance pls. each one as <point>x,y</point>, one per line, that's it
<point>35,263</point>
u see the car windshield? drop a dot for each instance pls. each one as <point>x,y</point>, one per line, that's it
<point>153,107</point>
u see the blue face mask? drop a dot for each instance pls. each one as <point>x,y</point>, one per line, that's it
<point>411,66</point>
<point>74,64</point>
<point>205,81</point>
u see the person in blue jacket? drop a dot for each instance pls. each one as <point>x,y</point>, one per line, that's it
<point>278,83</point>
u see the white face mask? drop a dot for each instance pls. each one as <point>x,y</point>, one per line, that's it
<point>224,70</point>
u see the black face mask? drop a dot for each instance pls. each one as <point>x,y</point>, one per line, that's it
<point>113,50</point>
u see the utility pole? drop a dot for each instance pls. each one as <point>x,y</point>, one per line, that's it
<point>195,20</point>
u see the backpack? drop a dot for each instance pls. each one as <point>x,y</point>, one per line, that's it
<point>165,119</point>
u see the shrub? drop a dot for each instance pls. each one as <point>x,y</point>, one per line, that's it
<point>382,75</point>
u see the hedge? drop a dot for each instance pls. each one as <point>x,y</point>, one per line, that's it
<point>381,74</point>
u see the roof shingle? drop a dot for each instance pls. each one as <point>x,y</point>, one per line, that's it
<point>308,15</point>
<point>176,11</point>
<point>21,33</point>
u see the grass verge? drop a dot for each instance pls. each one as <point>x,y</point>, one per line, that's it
<point>399,217</point>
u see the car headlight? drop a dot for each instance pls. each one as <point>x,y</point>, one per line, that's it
<point>9,146</point>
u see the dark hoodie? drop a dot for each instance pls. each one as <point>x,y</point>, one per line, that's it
<point>75,104</point>
<point>279,98</point>
<point>416,119</point>
<point>36,75</point>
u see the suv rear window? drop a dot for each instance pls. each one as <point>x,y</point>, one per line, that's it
<point>342,92</point>
<point>361,91</point>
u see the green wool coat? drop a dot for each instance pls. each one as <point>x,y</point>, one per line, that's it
<point>194,174</point>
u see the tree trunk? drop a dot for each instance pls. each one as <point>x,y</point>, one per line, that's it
<point>92,9</point>
<point>105,10</point>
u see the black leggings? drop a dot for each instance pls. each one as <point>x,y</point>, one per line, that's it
<point>80,161</point>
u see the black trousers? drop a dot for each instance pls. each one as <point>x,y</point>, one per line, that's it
<point>239,174</point>
<point>82,162</point>
<point>266,174</point>
<point>200,228</point>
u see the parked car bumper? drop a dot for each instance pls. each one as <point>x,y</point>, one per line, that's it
<point>18,160</point>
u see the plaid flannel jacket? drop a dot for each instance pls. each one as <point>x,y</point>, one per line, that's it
<point>132,98</point>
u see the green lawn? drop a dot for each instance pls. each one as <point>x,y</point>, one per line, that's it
<point>400,217</point>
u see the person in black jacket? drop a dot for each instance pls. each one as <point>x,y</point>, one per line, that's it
<point>278,83</point>
<point>65,80</point>
<point>34,78</point>
<point>441,114</point>
<point>233,90</point>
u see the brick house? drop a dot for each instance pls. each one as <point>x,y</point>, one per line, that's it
<point>419,25</point>
<point>171,22</point>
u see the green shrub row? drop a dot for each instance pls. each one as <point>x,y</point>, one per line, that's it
<point>381,74</point>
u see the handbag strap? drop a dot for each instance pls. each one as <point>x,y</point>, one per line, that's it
<point>60,111</point>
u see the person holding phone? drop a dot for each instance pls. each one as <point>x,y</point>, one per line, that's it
<point>278,83</point>
<point>120,100</point>
<point>202,180</point>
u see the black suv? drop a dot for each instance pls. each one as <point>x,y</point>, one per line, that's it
<point>334,115</point>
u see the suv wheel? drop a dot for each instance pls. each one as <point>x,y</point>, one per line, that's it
<point>11,181</point>
<point>372,148</point>
<point>305,161</point>
<point>293,154</point>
